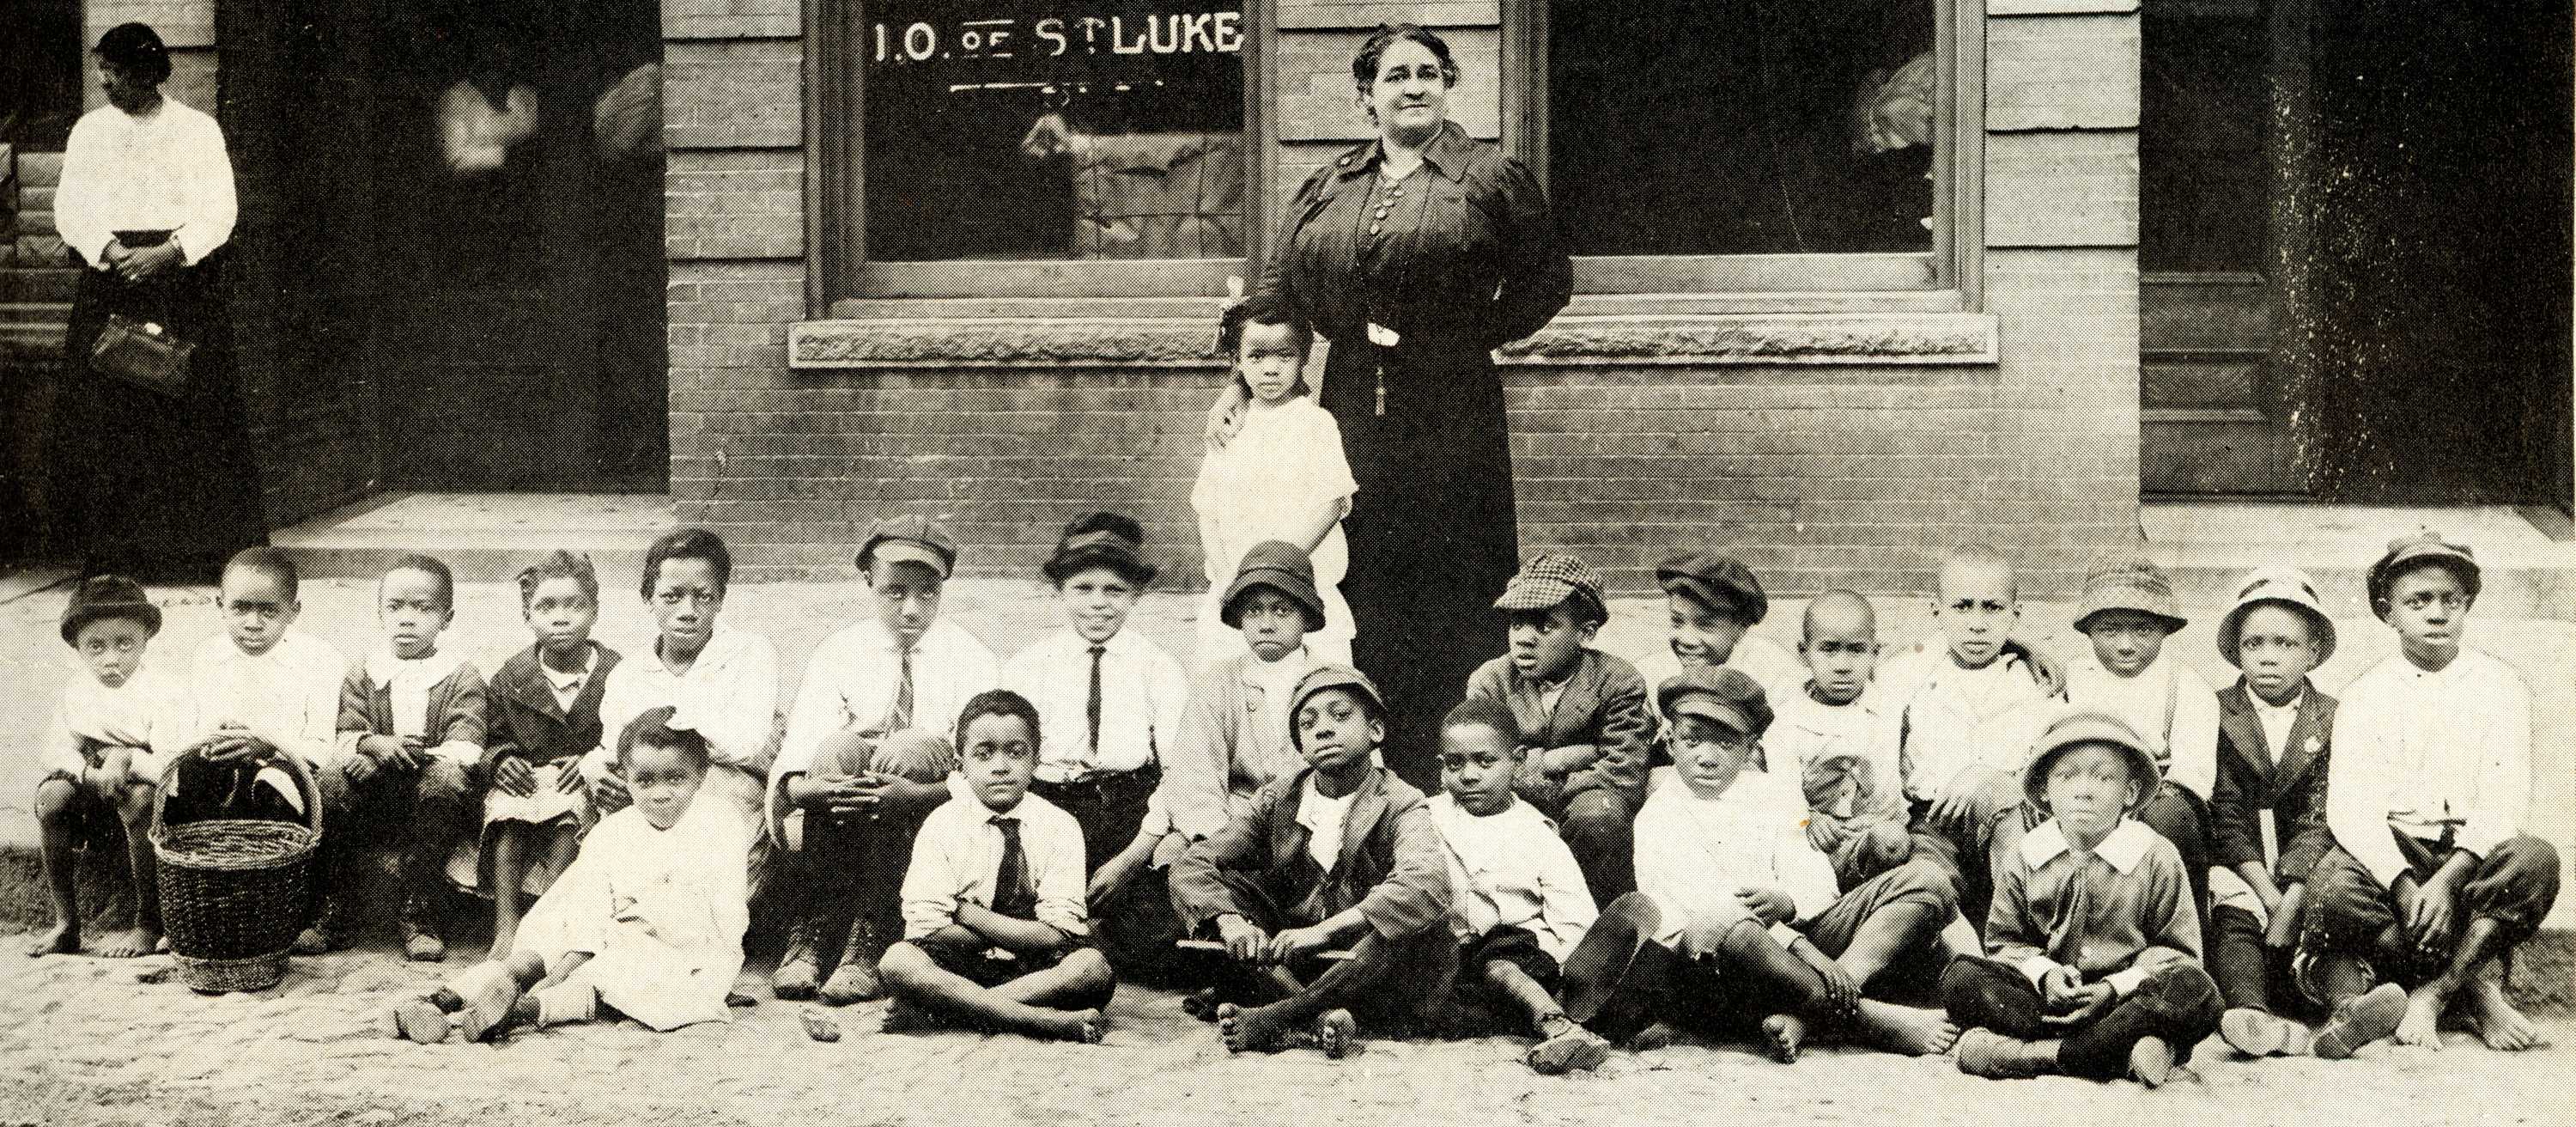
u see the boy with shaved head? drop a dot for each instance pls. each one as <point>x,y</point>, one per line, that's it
<point>1840,744</point>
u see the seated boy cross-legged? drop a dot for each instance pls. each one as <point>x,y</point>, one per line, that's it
<point>1728,883</point>
<point>2431,882</point>
<point>994,935</point>
<point>1340,855</point>
<point>1518,902</point>
<point>2093,944</point>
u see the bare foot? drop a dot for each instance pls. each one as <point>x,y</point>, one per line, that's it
<point>1256,1030</point>
<point>1787,1032</point>
<point>2501,1026</point>
<point>2151,1061</point>
<point>133,944</point>
<point>1337,1033</point>
<point>1570,1048</point>
<point>63,940</point>
<point>1089,1026</point>
<point>2422,1024</point>
<point>1907,1030</point>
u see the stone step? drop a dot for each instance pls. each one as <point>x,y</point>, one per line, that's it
<point>41,250</point>
<point>2208,546</point>
<point>39,170</point>
<point>34,222</point>
<point>483,537</point>
<point>22,285</point>
<point>34,312</point>
<point>32,197</point>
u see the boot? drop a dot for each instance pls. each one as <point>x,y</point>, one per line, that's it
<point>855,980</point>
<point>328,931</point>
<point>2260,1033</point>
<point>1984,1052</point>
<point>2151,1061</point>
<point>2360,1020</point>
<point>800,967</point>
<point>421,941</point>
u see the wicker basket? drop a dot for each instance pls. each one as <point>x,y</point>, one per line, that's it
<point>234,890</point>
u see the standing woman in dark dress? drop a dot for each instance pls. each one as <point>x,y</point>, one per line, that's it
<point>1417,255</point>
<point>148,482</point>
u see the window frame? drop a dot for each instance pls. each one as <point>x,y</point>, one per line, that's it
<point>839,275</point>
<point>1946,277</point>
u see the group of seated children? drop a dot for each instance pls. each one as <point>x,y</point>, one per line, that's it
<point>2099,863</point>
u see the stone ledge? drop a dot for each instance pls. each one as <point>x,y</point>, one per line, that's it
<point>999,342</point>
<point>1762,338</point>
<point>1903,338</point>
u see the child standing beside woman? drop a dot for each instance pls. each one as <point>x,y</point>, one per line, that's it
<point>1283,477</point>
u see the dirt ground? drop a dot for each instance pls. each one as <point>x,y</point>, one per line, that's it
<point>82,1041</point>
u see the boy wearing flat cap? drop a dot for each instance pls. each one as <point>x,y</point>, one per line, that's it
<point>1341,856</point>
<point>865,759</point>
<point>1712,602</point>
<point>2432,877</point>
<point>2267,819</point>
<point>102,758</point>
<point>1582,713</point>
<point>1728,883</point>
<point>2092,963</point>
<point>2127,611</point>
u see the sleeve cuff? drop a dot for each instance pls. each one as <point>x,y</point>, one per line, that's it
<point>2125,982</point>
<point>2037,967</point>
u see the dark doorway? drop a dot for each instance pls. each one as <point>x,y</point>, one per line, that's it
<point>40,88</point>
<point>463,206</point>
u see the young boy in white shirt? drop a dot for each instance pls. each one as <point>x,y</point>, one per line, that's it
<point>1834,736</point>
<point>2432,877</point>
<point>259,690</point>
<point>866,758</point>
<point>102,756</point>
<point>993,915</point>
<point>1518,903</point>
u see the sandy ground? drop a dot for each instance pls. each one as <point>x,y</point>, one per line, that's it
<point>83,1042</point>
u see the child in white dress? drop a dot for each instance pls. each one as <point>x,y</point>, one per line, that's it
<point>647,922</point>
<point>1281,477</point>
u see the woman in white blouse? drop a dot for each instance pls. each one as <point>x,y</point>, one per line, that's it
<point>149,482</point>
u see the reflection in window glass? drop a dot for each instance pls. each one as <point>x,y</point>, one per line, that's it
<point>1052,129</point>
<point>1684,127</point>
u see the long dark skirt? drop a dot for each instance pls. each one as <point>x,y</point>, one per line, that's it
<point>146,483</point>
<point>1432,532</point>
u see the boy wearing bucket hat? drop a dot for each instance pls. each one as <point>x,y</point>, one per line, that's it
<point>1340,856</point>
<point>2267,818</point>
<point>1727,881</point>
<point>2432,877</point>
<point>2127,611</point>
<point>2092,963</point>
<point>1110,698</point>
<point>1234,736</point>
<point>1582,713</point>
<point>866,757</point>
<point>102,758</point>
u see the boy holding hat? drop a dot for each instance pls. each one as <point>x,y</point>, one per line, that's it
<point>2092,963</point>
<point>2127,611</point>
<point>2431,878</point>
<point>1340,856</point>
<point>2268,815</point>
<point>102,758</point>
<point>1581,712</point>
<point>1108,698</point>
<point>1727,881</point>
<point>865,757</point>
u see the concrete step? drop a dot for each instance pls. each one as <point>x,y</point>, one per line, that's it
<point>41,250</point>
<point>35,197</point>
<point>33,222</point>
<point>483,537</point>
<point>34,312</point>
<point>39,170</point>
<point>38,284</point>
<point>2210,545</point>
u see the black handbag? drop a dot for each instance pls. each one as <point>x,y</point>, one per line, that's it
<point>143,354</point>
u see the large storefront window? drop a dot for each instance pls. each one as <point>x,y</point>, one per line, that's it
<point>1051,129</point>
<point>1743,127</point>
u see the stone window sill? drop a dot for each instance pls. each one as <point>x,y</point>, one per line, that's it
<point>1180,335</point>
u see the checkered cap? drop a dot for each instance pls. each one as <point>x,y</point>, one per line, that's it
<point>2128,583</point>
<point>1549,579</point>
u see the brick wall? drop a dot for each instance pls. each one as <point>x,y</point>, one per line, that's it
<point>1818,474</point>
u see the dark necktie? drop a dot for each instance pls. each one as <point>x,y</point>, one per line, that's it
<point>899,717</point>
<point>1012,895</point>
<point>1091,712</point>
